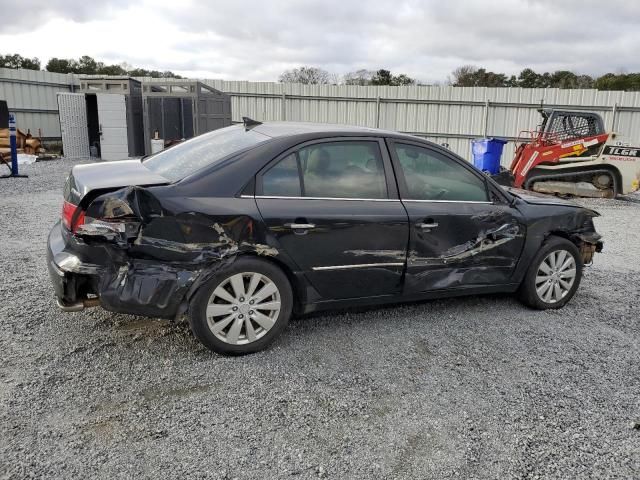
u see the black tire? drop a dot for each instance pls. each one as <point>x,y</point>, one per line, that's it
<point>200,301</point>
<point>528,294</point>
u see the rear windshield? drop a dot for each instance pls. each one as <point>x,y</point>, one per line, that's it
<point>182,160</point>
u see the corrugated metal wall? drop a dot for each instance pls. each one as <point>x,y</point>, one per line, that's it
<point>31,95</point>
<point>450,115</point>
<point>443,114</point>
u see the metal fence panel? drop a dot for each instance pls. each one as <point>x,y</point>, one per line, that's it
<point>31,94</point>
<point>443,114</point>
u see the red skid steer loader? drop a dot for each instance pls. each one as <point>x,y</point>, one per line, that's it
<point>572,154</point>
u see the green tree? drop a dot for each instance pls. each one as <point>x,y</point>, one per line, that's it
<point>530,79</point>
<point>382,77</point>
<point>385,77</point>
<point>138,72</point>
<point>585,81</point>
<point>470,76</point>
<point>486,78</point>
<point>169,74</point>
<point>463,76</point>
<point>111,70</point>
<point>622,81</point>
<point>403,79</point>
<point>18,61</point>
<point>564,79</point>
<point>87,65</point>
<point>84,65</point>
<point>61,65</point>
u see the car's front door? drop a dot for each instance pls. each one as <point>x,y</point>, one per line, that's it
<point>333,206</point>
<point>461,233</point>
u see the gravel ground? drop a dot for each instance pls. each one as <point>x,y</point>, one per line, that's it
<point>478,387</point>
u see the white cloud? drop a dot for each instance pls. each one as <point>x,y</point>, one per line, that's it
<point>257,40</point>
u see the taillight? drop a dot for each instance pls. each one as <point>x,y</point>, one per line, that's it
<point>68,212</point>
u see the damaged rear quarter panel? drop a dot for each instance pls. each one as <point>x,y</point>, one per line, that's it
<point>177,243</point>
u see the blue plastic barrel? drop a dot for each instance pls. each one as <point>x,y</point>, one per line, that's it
<point>487,153</point>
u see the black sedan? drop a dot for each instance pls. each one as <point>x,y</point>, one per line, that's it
<point>244,226</point>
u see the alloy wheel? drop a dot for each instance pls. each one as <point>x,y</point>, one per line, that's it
<point>243,308</point>
<point>556,275</point>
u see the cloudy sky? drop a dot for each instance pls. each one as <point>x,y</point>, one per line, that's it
<point>257,40</point>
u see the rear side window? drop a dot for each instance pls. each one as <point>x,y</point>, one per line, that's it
<point>351,169</point>
<point>430,175</point>
<point>182,160</point>
<point>283,179</point>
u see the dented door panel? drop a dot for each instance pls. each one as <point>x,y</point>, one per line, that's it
<point>470,244</point>
<point>354,249</point>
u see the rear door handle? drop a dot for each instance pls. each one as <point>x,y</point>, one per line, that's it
<point>300,226</point>
<point>427,225</point>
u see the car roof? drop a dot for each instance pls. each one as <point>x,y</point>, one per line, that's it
<point>286,129</point>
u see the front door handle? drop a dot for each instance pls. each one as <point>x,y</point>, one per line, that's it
<point>427,225</point>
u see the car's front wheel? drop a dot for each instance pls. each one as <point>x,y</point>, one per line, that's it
<point>553,276</point>
<point>243,308</point>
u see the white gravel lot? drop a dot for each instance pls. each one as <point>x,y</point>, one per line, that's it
<point>476,387</point>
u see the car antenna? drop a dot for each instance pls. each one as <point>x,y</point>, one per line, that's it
<point>250,122</point>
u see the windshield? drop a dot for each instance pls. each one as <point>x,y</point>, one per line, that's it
<point>186,158</point>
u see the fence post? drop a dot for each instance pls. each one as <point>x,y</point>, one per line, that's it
<point>613,117</point>
<point>13,144</point>
<point>378,111</point>
<point>485,127</point>
<point>283,113</point>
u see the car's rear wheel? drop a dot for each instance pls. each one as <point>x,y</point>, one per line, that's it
<point>243,308</point>
<point>553,276</point>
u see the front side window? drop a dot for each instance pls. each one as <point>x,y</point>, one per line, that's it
<point>430,175</point>
<point>350,169</point>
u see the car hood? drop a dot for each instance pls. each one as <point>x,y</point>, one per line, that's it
<point>535,198</point>
<point>540,198</point>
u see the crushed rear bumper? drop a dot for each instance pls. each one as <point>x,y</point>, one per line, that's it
<point>120,284</point>
<point>72,277</point>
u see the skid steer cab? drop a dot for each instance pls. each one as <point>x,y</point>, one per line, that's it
<point>571,153</point>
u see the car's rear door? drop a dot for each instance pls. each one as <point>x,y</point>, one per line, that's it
<point>333,206</point>
<point>461,233</point>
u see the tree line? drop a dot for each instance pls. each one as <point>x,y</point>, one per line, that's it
<point>464,76</point>
<point>470,76</point>
<point>85,65</point>
<point>314,75</point>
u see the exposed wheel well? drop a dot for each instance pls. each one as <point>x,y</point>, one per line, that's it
<point>296,288</point>
<point>586,249</point>
<point>561,234</point>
